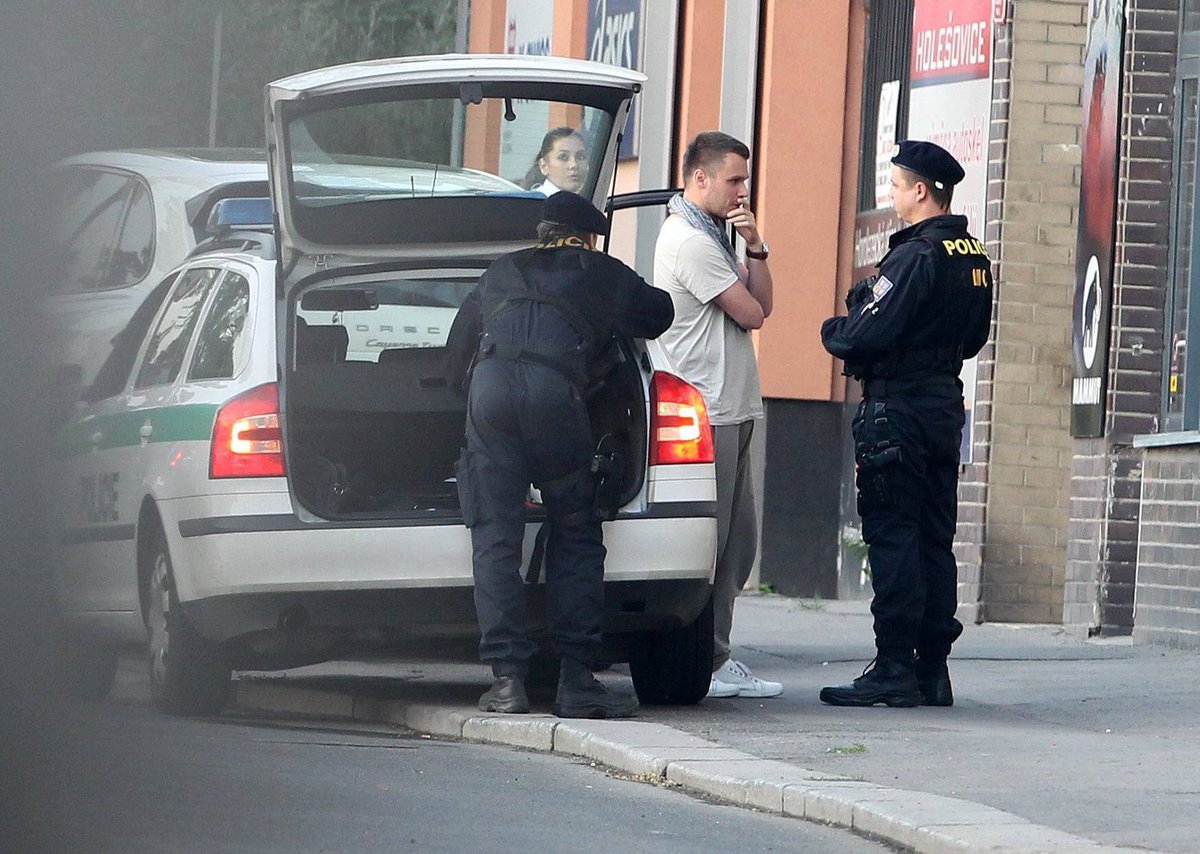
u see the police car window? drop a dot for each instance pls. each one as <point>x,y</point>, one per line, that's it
<point>135,248</point>
<point>93,210</point>
<point>114,373</point>
<point>168,343</point>
<point>425,147</point>
<point>224,340</point>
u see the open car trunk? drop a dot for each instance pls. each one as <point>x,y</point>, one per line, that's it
<point>373,423</point>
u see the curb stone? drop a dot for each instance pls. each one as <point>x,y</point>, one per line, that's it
<point>922,822</point>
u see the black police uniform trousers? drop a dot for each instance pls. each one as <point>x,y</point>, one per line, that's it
<point>909,508</point>
<point>527,424</point>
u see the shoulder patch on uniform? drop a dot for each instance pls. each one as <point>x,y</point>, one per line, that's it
<point>881,288</point>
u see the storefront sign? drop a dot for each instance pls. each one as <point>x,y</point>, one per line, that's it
<point>950,103</point>
<point>614,37</point>
<point>1097,216</point>
<point>872,229</point>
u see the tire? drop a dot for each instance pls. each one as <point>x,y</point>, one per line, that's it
<point>86,670</point>
<point>189,675</point>
<point>674,668</point>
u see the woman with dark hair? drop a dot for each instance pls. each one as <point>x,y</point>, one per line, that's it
<point>561,163</point>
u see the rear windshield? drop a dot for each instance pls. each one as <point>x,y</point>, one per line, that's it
<point>395,166</point>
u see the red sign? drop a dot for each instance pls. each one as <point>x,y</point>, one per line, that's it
<point>952,40</point>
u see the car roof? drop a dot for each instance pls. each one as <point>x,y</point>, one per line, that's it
<point>201,164</point>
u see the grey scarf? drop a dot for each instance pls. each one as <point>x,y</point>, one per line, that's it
<point>701,221</point>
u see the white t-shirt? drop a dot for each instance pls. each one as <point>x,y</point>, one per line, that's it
<point>705,345</point>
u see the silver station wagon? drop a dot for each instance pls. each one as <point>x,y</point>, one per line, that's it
<point>262,476</point>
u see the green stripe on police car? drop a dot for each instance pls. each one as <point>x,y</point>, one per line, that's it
<point>100,432</point>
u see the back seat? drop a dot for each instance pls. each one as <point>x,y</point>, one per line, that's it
<point>318,345</point>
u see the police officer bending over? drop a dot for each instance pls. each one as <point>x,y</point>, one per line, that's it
<point>539,324</point>
<point>906,336</point>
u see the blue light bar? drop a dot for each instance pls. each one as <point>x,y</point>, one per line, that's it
<point>228,214</point>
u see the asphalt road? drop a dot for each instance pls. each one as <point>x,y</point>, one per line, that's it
<point>123,778</point>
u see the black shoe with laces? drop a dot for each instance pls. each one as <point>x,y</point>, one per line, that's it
<point>507,695</point>
<point>581,695</point>
<point>886,681</point>
<point>933,678</point>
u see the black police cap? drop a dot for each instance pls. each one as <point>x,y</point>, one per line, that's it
<point>572,209</point>
<point>931,161</point>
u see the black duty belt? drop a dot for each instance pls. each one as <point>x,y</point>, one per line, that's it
<point>885,386</point>
<point>509,352</point>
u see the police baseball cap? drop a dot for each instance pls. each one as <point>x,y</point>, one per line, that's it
<point>931,161</point>
<point>572,209</point>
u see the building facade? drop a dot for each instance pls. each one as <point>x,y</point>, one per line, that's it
<point>1077,122</point>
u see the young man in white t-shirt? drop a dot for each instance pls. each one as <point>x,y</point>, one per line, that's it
<point>718,300</point>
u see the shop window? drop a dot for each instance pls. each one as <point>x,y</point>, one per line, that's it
<point>1191,16</point>
<point>888,56</point>
<point>1181,397</point>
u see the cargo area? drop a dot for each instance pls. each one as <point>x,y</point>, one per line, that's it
<point>373,430</point>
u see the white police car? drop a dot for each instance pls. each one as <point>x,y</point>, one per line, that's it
<point>120,221</point>
<point>262,473</point>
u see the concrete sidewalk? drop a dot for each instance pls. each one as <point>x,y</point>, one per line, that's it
<point>1054,744</point>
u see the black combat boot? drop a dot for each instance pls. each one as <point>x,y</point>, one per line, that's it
<point>581,695</point>
<point>933,678</point>
<point>507,695</point>
<point>885,680</point>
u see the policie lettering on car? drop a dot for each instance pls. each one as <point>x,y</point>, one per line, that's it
<point>98,497</point>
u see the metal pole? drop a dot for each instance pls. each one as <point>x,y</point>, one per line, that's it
<point>216,79</point>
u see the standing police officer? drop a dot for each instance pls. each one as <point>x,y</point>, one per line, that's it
<point>539,324</point>
<point>907,334</point>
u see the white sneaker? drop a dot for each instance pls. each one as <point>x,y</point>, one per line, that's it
<point>736,677</point>
<point>717,688</point>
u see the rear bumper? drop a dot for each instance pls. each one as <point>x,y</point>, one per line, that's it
<point>270,572</point>
<point>268,619</point>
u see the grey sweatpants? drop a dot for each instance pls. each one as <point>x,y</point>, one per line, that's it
<point>737,528</point>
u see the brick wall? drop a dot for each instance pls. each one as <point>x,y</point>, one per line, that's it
<point>1168,588</point>
<point>1028,498</point>
<point>1102,569</point>
<point>973,487</point>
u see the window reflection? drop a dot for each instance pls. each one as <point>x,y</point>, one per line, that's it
<point>168,343</point>
<point>224,340</point>
<point>1178,307</point>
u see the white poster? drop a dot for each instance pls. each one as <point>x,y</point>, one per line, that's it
<point>885,142</point>
<point>950,103</point>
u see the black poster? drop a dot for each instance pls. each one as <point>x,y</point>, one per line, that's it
<point>1097,216</point>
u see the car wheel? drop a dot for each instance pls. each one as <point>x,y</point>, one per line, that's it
<point>87,670</point>
<point>674,668</point>
<point>189,675</point>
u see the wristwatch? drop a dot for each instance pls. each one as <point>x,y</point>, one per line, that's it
<point>761,255</point>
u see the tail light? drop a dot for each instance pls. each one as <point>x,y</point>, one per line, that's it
<point>679,429</point>
<point>247,441</point>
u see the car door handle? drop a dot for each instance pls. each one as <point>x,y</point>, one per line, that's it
<point>145,432</point>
